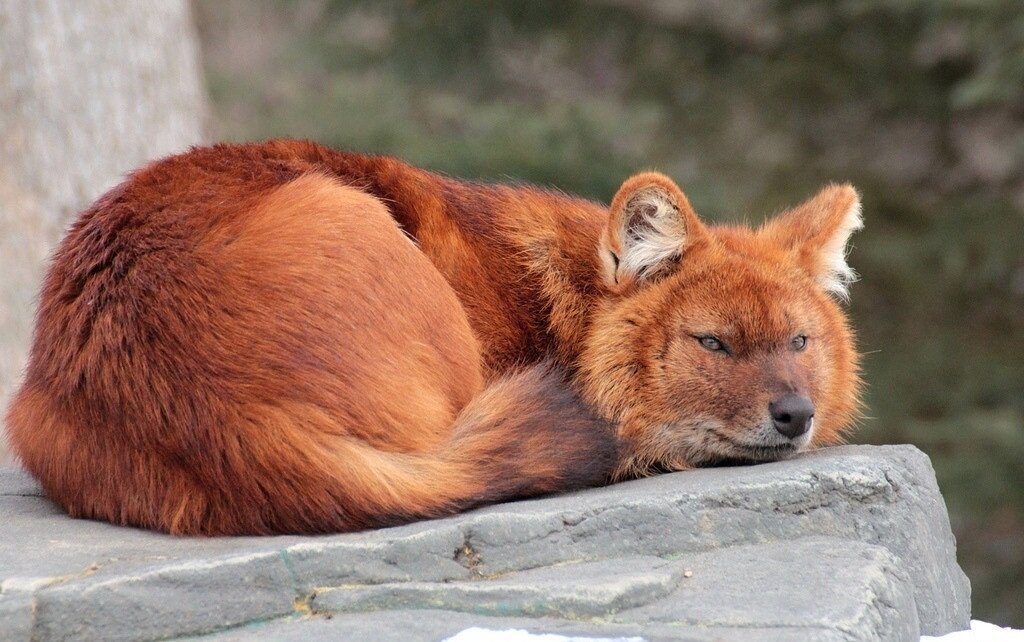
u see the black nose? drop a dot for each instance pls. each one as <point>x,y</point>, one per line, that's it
<point>792,415</point>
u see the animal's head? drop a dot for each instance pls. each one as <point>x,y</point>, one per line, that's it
<point>723,343</point>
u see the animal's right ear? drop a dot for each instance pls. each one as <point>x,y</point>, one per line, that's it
<point>650,225</point>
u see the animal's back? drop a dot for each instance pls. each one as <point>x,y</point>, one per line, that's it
<point>215,332</point>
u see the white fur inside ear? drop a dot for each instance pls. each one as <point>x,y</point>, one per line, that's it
<point>837,275</point>
<point>652,233</point>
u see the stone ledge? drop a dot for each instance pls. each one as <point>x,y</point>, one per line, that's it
<point>852,516</point>
<point>746,587</point>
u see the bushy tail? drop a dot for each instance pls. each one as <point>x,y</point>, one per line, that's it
<point>527,434</point>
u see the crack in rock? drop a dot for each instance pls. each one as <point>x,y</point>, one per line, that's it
<point>468,557</point>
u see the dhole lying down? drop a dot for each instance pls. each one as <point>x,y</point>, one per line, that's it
<point>284,338</point>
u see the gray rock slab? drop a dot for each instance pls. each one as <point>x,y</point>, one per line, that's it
<point>781,586</point>
<point>16,617</point>
<point>78,579</point>
<point>572,591</point>
<point>763,587</point>
<point>160,601</point>
<point>436,625</point>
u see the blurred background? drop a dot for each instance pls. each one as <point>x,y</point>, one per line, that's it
<point>749,105</point>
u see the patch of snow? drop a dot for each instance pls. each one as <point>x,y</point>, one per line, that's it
<point>979,632</point>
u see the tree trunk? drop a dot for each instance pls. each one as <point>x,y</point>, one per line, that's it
<point>89,89</point>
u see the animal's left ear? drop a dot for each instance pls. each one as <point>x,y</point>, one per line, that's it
<point>818,231</point>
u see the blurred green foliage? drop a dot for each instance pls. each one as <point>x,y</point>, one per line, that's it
<point>750,106</point>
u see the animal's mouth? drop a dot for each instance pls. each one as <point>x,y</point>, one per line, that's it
<point>733,452</point>
<point>753,455</point>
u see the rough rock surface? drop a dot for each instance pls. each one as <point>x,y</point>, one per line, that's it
<point>848,543</point>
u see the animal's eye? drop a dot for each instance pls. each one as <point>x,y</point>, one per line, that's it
<point>798,343</point>
<point>712,343</point>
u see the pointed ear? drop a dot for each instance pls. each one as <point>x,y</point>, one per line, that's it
<point>650,224</point>
<point>818,231</point>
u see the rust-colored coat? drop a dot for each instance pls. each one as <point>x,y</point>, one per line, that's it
<point>280,337</point>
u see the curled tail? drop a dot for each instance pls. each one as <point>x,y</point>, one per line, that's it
<point>525,435</point>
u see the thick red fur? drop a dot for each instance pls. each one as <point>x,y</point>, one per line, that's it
<point>284,338</point>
